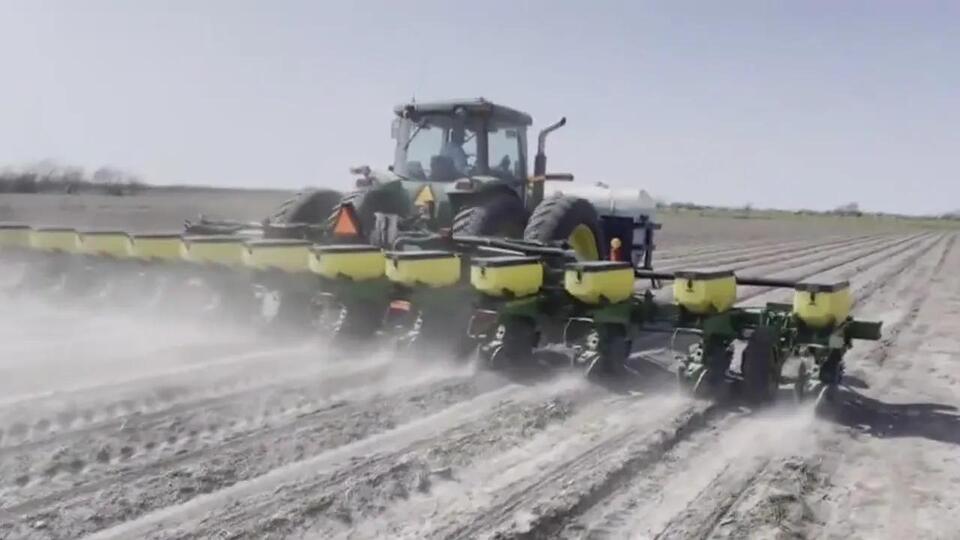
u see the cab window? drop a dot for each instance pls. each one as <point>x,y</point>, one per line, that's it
<point>504,152</point>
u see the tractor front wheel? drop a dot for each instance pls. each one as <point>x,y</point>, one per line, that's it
<point>568,219</point>
<point>498,214</point>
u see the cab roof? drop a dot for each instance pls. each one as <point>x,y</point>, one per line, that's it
<point>473,107</point>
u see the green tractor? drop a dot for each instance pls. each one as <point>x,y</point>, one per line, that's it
<point>459,167</point>
<point>460,172</point>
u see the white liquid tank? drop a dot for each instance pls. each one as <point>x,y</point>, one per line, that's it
<point>607,200</point>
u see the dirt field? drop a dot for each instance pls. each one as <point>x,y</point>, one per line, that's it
<point>124,424</point>
<point>151,211</point>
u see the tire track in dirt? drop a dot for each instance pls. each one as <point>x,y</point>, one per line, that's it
<point>724,426</point>
<point>126,437</point>
<point>683,250</point>
<point>787,494</point>
<point>913,309</point>
<point>454,448</point>
<point>194,375</point>
<point>642,451</point>
<point>742,470</point>
<point>547,523</point>
<point>241,517</point>
<point>518,501</point>
<point>672,254</point>
<point>826,263</point>
<point>31,406</point>
<point>785,265</point>
<point>862,256</point>
<point>216,365</point>
<point>735,261</point>
<point>358,472</point>
<point>126,492</point>
<point>151,377</point>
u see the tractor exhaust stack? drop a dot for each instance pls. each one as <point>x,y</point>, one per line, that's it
<point>540,164</point>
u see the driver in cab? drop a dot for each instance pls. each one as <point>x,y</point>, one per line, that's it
<point>453,149</point>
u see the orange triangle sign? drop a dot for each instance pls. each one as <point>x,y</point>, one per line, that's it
<point>425,196</point>
<point>346,224</point>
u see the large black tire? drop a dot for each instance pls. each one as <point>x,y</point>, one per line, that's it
<point>443,332</point>
<point>760,366</point>
<point>358,322</point>
<point>310,207</point>
<point>368,202</point>
<point>556,218</point>
<point>614,349</point>
<point>516,338</point>
<point>499,214</point>
<point>831,372</point>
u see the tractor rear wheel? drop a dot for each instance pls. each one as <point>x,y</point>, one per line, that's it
<point>367,203</point>
<point>569,219</point>
<point>499,214</point>
<point>760,366</point>
<point>311,206</point>
<point>299,216</point>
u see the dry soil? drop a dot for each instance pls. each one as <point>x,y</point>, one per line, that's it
<point>125,423</point>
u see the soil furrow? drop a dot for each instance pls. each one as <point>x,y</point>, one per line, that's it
<point>477,425</point>
<point>669,256</point>
<point>61,415</point>
<point>711,507</point>
<point>826,263</point>
<point>565,472</point>
<point>672,253</point>
<point>151,378</point>
<point>469,454</point>
<point>548,523</point>
<point>46,424</point>
<point>740,261</point>
<point>814,492</point>
<point>913,308</point>
<point>490,516</point>
<point>186,471</point>
<point>128,439</point>
<point>614,442</point>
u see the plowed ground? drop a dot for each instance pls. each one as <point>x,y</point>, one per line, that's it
<point>125,424</point>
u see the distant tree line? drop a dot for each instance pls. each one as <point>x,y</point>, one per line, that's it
<point>847,210</point>
<point>50,177</point>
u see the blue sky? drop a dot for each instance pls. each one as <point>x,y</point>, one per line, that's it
<point>787,104</point>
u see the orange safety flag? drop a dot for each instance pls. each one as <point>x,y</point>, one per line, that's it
<point>346,224</point>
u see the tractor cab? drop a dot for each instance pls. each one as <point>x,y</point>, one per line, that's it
<point>461,143</point>
<point>460,170</point>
